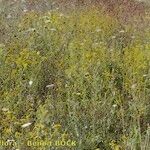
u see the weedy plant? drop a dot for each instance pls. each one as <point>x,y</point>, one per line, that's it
<point>80,73</point>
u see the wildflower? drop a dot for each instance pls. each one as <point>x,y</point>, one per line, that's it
<point>133,86</point>
<point>30,82</point>
<point>133,37</point>
<point>121,31</point>
<point>5,109</point>
<point>113,37</point>
<point>78,94</point>
<point>38,53</point>
<point>61,15</point>
<point>145,75</point>
<point>53,29</point>
<point>25,10</point>
<point>111,50</point>
<point>9,16</point>
<point>96,43</point>
<point>114,105</point>
<point>26,125</point>
<point>114,93</point>
<point>31,29</point>
<point>66,85</point>
<point>50,85</point>
<point>10,140</point>
<point>86,127</point>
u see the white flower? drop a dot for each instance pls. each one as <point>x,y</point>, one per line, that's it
<point>10,140</point>
<point>50,85</point>
<point>53,29</point>
<point>61,15</point>
<point>5,109</point>
<point>122,31</point>
<point>9,16</point>
<point>114,105</point>
<point>145,75</point>
<point>113,37</point>
<point>133,86</point>
<point>25,10</point>
<point>31,29</point>
<point>26,125</point>
<point>38,53</point>
<point>78,93</point>
<point>111,50</point>
<point>114,93</point>
<point>30,82</point>
<point>86,127</point>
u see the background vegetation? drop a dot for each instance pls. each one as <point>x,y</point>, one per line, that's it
<point>80,74</point>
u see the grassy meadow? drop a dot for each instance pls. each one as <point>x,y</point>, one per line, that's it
<point>81,76</point>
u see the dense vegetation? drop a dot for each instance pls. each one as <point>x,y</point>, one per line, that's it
<point>82,76</point>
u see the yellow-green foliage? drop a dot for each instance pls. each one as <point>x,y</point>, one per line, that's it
<point>83,73</point>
